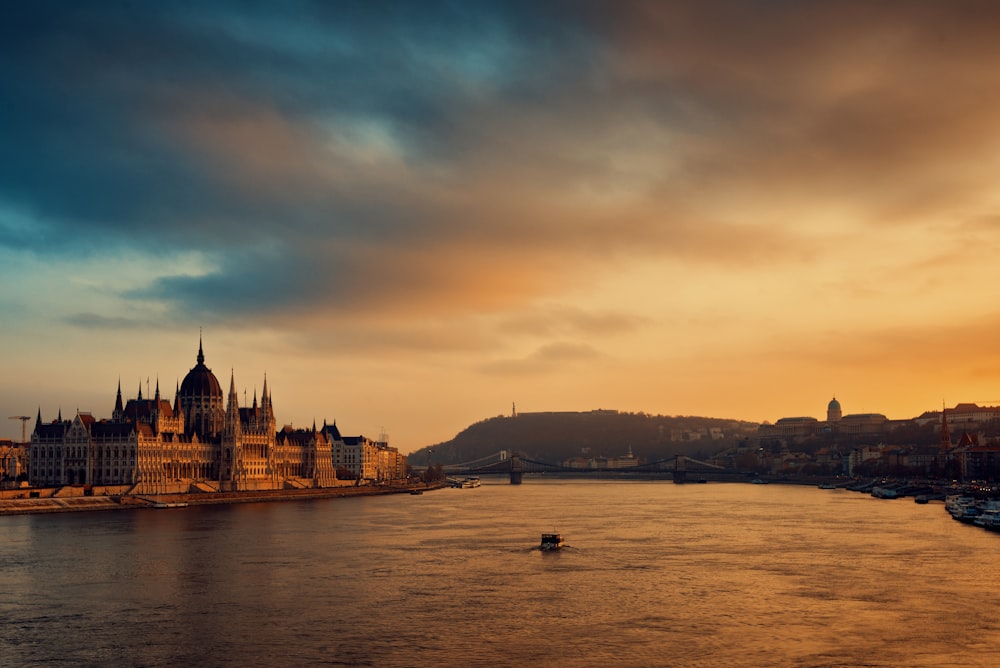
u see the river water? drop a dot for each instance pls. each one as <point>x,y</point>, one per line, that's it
<point>654,574</point>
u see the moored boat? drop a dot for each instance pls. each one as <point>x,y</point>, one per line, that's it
<point>988,518</point>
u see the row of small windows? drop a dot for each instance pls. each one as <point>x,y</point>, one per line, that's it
<point>52,452</point>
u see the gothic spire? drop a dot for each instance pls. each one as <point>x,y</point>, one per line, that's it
<point>139,398</point>
<point>118,400</point>
<point>233,407</point>
<point>265,402</point>
<point>201,352</point>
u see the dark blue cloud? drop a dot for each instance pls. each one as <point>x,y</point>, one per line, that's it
<point>90,89</point>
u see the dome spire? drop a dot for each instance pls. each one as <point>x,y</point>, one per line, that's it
<point>201,352</point>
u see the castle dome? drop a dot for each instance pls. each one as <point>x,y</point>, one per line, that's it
<point>833,412</point>
<point>200,381</point>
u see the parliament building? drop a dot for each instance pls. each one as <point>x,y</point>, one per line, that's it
<point>204,441</point>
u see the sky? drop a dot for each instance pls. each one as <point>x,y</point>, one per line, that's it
<point>410,217</point>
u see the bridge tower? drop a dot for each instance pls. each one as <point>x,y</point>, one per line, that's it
<point>515,469</point>
<point>680,469</point>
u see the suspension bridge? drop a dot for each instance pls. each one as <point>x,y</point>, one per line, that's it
<point>680,468</point>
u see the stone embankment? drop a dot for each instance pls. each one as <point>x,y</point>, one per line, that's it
<point>62,504</point>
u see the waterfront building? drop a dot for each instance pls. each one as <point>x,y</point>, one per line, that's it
<point>860,456</point>
<point>365,459</point>
<point>202,441</point>
<point>391,464</point>
<point>976,459</point>
<point>13,460</point>
<point>358,455</point>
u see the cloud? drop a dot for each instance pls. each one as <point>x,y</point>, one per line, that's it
<point>559,355</point>
<point>566,320</point>
<point>461,160</point>
<point>97,321</point>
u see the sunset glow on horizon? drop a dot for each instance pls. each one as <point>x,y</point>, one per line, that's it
<point>409,216</point>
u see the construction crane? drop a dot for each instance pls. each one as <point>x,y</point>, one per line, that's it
<point>24,423</point>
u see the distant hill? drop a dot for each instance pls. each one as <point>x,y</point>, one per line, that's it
<point>555,437</point>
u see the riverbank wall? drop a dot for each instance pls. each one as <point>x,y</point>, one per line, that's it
<point>51,501</point>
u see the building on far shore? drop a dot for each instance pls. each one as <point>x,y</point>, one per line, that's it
<point>796,429</point>
<point>365,459</point>
<point>202,441</point>
<point>13,461</point>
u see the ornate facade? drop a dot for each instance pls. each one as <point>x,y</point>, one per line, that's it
<point>202,441</point>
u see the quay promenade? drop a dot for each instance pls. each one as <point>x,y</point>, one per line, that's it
<point>63,504</point>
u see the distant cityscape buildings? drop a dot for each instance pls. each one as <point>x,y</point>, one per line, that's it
<point>836,421</point>
<point>202,441</point>
<point>205,440</point>
<point>975,455</point>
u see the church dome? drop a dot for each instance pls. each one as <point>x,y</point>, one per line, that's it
<point>200,381</point>
<point>834,404</point>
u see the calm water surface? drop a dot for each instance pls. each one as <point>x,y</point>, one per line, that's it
<point>655,574</point>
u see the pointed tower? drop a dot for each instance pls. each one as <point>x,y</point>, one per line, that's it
<point>232,408</point>
<point>265,403</point>
<point>177,399</point>
<point>139,397</point>
<point>268,423</point>
<point>154,410</point>
<point>119,409</point>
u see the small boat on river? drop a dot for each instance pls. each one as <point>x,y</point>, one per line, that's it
<point>551,541</point>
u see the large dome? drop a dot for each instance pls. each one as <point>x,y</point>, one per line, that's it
<point>833,406</point>
<point>200,381</point>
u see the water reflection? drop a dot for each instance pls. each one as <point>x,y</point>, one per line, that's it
<point>655,574</point>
